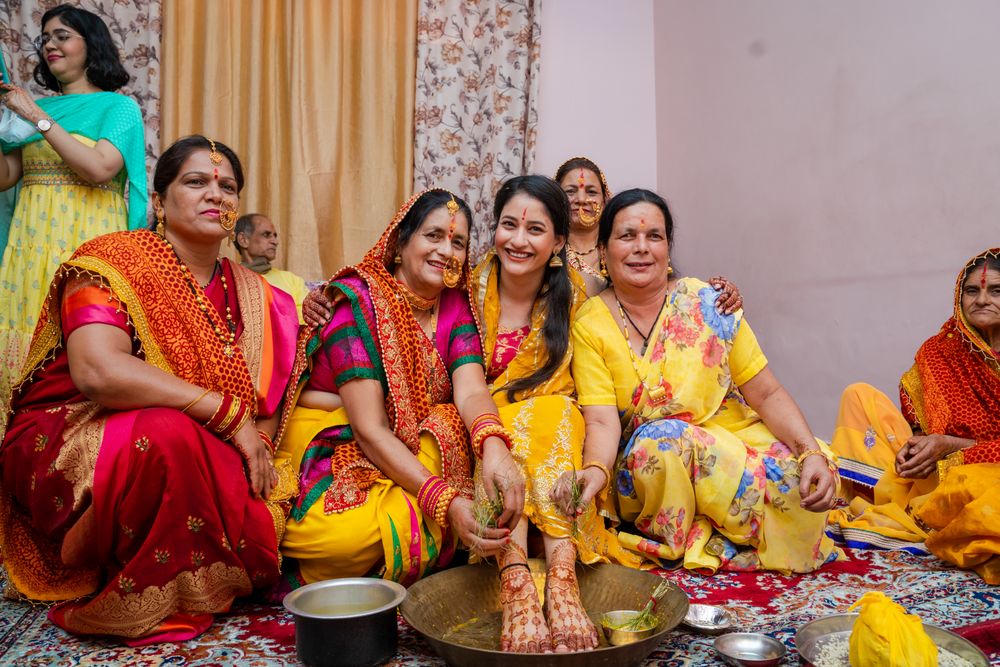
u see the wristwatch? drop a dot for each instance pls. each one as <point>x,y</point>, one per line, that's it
<point>44,125</point>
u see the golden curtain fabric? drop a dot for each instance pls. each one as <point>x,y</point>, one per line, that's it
<point>476,99</point>
<point>316,97</point>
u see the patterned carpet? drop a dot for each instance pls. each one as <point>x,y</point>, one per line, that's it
<point>259,636</point>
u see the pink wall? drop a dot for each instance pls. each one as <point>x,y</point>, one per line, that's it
<point>840,161</point>
<point>589,47</point>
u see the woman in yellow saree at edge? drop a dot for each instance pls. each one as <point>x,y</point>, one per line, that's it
<point>717,466</point>
<point>389,387</point>
<point>933,470</point>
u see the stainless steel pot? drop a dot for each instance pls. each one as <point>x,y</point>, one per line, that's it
<point>345,622</point>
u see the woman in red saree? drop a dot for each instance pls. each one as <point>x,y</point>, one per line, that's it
<point>933,470</point>
<point>137,484</point>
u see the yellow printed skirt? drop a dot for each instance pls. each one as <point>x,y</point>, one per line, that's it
<point>54,215</point>
<point>547,433</point>
<point>388,532</point>
<point>716,499</point>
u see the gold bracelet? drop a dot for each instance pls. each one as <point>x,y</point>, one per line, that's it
<point>442,505</point>
<point>191,404</point>
<point>812,452</point>
<point>953,460</point>
<point>603,468</point>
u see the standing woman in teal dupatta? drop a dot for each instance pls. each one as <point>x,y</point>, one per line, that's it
<point>73,171</point>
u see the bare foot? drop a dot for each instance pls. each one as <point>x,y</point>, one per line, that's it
<point>523,629</point>
<point>571,628</point>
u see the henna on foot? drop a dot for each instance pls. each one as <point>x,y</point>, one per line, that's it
<point>524,629</point>
<point>571,628</point>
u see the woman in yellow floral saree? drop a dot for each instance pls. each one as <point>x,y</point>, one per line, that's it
<point>718,468</point>
<point>933,470</point>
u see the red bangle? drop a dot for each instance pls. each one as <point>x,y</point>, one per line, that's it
<point>220,413</point>
<point>267,441</point>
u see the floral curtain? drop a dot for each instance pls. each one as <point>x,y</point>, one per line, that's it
<point>476,98</point>
<point>135,29</point>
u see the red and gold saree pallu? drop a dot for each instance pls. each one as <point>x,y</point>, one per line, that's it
<point>342,492</point>
<point>162,508</point>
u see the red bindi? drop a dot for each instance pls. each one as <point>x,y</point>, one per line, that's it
<point>524,215</point>
<point>581,179</point>
<point>982,278</point>
<point>215,172</point>
<point>642,223</point>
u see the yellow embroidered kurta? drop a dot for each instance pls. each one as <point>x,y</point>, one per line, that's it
<point>699,474</point>
<point>545,424</point>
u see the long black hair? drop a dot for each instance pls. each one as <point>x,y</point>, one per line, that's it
<point>557,291</point>
<point>103,66</point>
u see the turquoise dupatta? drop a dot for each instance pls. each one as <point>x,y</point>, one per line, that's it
<point>110,116</point>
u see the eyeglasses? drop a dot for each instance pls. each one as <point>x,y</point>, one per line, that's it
<point>60,37</point>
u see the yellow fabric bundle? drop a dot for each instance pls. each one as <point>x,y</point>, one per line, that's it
<point>886,636</point>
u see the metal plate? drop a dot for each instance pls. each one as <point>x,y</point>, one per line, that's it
<point>436,605</point>
<point>810,635</point>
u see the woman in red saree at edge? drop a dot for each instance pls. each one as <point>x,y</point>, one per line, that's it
<point>138,487</point>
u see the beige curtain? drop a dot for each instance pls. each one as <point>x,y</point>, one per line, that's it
<point>476,99</point>
<point>316,97</point>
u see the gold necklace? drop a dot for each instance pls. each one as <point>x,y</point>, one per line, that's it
<point>657,394</point>
<point>577,261</point>
<point>227,339</point>
<point>416,301</point>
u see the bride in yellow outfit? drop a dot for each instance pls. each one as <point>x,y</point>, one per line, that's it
<point>526,296</point>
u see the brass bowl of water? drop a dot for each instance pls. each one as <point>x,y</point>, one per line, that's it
<point>616,625</point>
<point>345,622</point>
<point>458,612</point>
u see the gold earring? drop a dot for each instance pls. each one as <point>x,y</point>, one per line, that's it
<point>670,270</point>
<point>604,269</point>
<point>397,259</point>
<point>556,261</point>
<point>452,273</point>
<point>161,227</point>
<point>228,216</point>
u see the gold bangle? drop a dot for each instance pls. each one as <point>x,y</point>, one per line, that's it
<point>603,468</point>
<point>814,452</point>
<point>191,404</point>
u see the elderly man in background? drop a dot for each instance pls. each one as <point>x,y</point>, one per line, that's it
<point>256,240</point>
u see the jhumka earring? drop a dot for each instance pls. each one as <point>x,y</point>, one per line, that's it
<point>589,221</point>
<point>452,273</point>
<point>214,155</point>
<point>670,270</point>
<point>556,261</point>
<point>228,216</point>
<point>604,269</point>
<point>397,259</point>
<point>161,227</point>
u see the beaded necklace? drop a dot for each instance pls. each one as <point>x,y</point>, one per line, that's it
<point>228,338</point>
<point>657,393</point>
